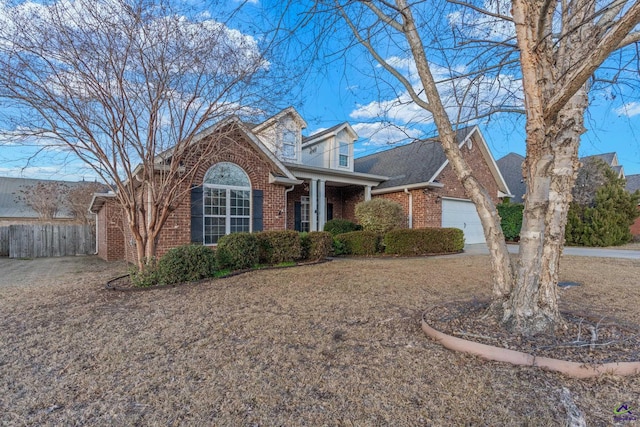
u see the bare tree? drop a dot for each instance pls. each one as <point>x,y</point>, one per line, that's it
<point>558,45</point>
<point>79,198</point>
<point>47,198</point>
<point>127,86</point>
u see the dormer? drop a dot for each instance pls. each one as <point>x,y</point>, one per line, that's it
<point>282,134</point>
<point>331,148</point>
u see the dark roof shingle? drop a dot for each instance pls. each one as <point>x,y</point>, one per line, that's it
<point>511,169</point>
<point>408,164</point>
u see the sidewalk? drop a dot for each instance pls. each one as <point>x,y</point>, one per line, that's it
<point>481,248</point>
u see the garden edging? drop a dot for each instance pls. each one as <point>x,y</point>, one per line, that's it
<point>499,354</point>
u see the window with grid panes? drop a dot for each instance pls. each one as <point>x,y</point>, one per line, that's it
<point>227,202</point>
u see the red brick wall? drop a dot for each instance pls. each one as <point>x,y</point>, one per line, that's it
<point>238,150</point>
<point>427,207</point>
<point>109,233</point>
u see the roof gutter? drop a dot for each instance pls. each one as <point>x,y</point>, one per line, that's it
<point>402,188</point>
<point>283,180</point>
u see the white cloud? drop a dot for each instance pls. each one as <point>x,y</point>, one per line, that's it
<point>49,172</point>
<point>463,97</point>
<point>482,26</point>
<point>385,133</point>
<point>630,109</point>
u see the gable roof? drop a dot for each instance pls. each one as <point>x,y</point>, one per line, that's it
<point>404,165</point>
<point>420,162</point>
<point>609,158</point>
<point>511,168</point>
<point>276,118</point>
<point>633,183</point>
<point>11,206</point>
<point>333,130</point>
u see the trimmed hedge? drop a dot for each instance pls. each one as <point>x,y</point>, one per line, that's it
<point>237,251</point>
<point>380,215</point>
<point>510,219</point>
<point>186,263</point>
<point>339,226</point>
<point>320,245</point>
<point>279,246</point>
<point>422,241</point>
<point>359,242</point>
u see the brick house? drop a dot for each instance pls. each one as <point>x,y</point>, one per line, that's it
<point>276,179</point>
<point>423,182</point>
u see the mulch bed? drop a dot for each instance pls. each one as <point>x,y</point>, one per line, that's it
<point>585,339</point>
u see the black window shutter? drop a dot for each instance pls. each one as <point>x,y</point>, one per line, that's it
<point>258,197</point>
<point>329,211</point>
<point>197,216</point>
<point>297,216</point>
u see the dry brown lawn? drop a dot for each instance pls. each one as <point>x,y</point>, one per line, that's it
<point>331,344</point>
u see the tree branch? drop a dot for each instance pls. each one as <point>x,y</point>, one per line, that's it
<point>578,76</point>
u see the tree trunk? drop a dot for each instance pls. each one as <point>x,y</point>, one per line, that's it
<point>501,267</point>
<point>533,306</point>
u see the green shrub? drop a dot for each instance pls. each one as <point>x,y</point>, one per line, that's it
<point>421,241</point>
<point>605,221</point>
<point>380,215</point>
<point>186,263</point>
<point>511,219</point>
<point>237,251</point>
<point>339,247</point>
<point>279,246</point>
<point>146,277</point>
<point>359,242</point>
<point>339,226</point>
<point>320,245</point>
<point>305,245</point>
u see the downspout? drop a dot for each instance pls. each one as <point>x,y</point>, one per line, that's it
<point>286,204</point>
<point>97,234</point>
<point>406,190</point>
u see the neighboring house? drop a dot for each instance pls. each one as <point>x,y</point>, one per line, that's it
<point>277,179</point>
<point>13,206</point>
<point>423,182</point>
<point>633,185</point>
<point>511,168</point>
<point>609,158</point>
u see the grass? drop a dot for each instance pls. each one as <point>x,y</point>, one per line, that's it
<point>330,344</point>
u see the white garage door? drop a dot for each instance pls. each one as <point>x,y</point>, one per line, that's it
<point>462,214</point>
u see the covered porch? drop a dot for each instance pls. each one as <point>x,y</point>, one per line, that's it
<point>325,194</point>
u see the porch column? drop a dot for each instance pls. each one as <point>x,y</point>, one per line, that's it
<point>367,193</point>
<point>322,205</point>
<point>313,208</point>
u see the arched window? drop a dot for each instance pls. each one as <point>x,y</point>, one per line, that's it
<point>227,201</point>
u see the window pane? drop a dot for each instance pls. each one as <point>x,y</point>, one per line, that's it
<point>239,225</point>
<point>344,160</point>
<point>226,173</point>
<point>214,228</point>
<point>288,143</point>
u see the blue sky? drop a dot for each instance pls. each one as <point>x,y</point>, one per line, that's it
<point>341,89</point>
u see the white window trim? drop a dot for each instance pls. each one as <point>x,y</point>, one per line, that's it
<point>347,155</point>
<point>227,198</point>
<point>294,156</point>
<point>305,202</point>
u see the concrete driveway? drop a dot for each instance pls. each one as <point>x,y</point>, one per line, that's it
<point>481,248</point>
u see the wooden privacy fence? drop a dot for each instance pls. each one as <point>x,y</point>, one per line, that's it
<point>47,240</point>
<point>4,241</point>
